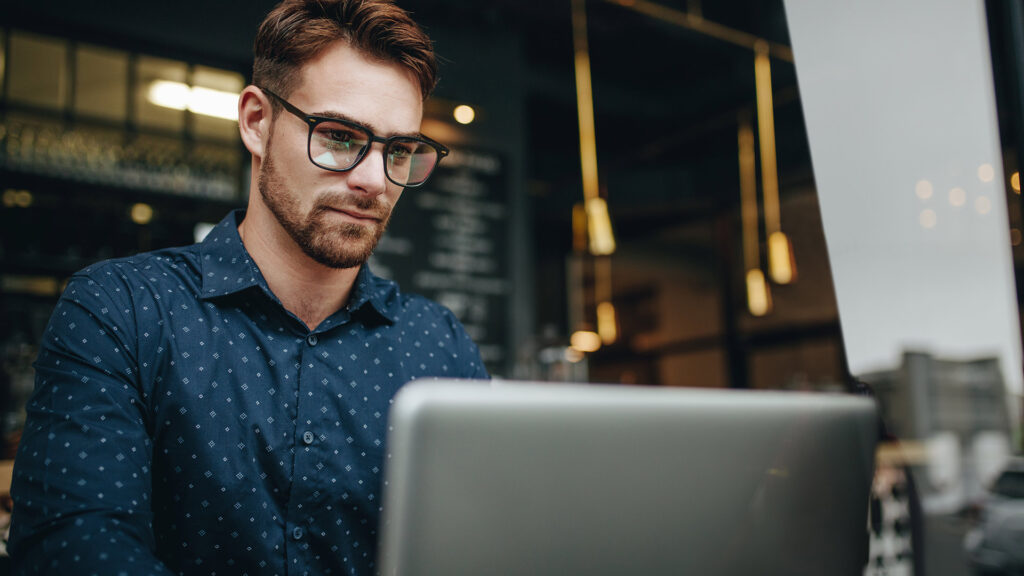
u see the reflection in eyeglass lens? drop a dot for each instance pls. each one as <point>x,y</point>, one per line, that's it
<point>336,145</point>
<point>410,161</point>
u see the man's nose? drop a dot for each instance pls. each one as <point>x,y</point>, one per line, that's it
<point>368,176</point>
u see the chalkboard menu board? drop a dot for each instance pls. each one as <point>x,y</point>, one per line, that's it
<point>448,241</point>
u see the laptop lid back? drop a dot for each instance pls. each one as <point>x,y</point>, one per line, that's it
<point>542,479</point>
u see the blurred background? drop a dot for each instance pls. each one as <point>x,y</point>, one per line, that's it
<point>630,200</point>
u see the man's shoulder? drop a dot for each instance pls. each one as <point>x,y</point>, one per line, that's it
<point>415,308</point>
<point>175,267</point>
<point>132,289</point>
<point>143,263</point>
<point>418,302</point>
<point>412,311</point>
<point>423,318</point>
<point>392,301</point>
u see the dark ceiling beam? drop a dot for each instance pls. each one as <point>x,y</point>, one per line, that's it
<point>695,22</point>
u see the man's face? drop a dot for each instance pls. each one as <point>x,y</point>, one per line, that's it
<point>336,218</point>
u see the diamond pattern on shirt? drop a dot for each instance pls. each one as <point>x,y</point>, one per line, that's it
<point>184,420</point>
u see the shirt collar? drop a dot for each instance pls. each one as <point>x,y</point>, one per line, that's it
<point>226,265</point>
<point>227,268</point>
<point>376,294</point>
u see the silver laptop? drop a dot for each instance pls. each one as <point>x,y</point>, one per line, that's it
<point>544,479</point>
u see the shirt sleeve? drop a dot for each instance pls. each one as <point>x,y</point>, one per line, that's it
<point>82,475</point>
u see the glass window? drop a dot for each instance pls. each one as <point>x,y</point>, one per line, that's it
<point>158,80</point>
<point>215,102</point>
<point>217,166</point>
<point>158,154</point>
<point>101,83</point>
<point>38,73</point>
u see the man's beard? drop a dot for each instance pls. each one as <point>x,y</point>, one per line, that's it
<point>338,245</point>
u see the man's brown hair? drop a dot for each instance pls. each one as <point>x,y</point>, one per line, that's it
<point>296,31</point>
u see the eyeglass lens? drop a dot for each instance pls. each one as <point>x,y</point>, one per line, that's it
<point>338,146</point>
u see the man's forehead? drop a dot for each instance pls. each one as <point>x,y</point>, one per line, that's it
<point>347,83</point>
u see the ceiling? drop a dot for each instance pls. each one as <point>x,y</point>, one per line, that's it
<point>667,98</point>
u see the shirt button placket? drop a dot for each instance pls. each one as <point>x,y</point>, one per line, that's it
<point>302,462</point>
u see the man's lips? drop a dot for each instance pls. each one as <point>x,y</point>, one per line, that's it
<point>356,214</point>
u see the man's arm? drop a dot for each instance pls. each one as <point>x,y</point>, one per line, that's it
<point>82,476</point>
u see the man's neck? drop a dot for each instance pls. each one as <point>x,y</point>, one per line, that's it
<point>305,287</point>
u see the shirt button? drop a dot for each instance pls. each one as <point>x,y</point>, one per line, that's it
<point>297,532</point>
<point>312,339</point>
<point>307,437</point>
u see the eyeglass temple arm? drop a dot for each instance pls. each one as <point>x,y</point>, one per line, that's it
<point>287,105</point>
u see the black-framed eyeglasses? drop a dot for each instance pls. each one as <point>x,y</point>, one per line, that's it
<point>339,146</point>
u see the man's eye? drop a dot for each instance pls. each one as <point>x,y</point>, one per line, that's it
<point>339,136</point>
<point>402,151</point>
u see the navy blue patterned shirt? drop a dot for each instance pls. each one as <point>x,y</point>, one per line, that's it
<point>184,422</point>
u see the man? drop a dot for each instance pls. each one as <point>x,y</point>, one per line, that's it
<point>220,408</point>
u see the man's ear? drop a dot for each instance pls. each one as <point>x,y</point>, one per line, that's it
<point>254,120</point>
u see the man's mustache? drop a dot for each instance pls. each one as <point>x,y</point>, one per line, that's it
<point>368,205</point>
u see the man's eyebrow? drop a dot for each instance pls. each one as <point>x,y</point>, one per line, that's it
<point>339,116</point>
